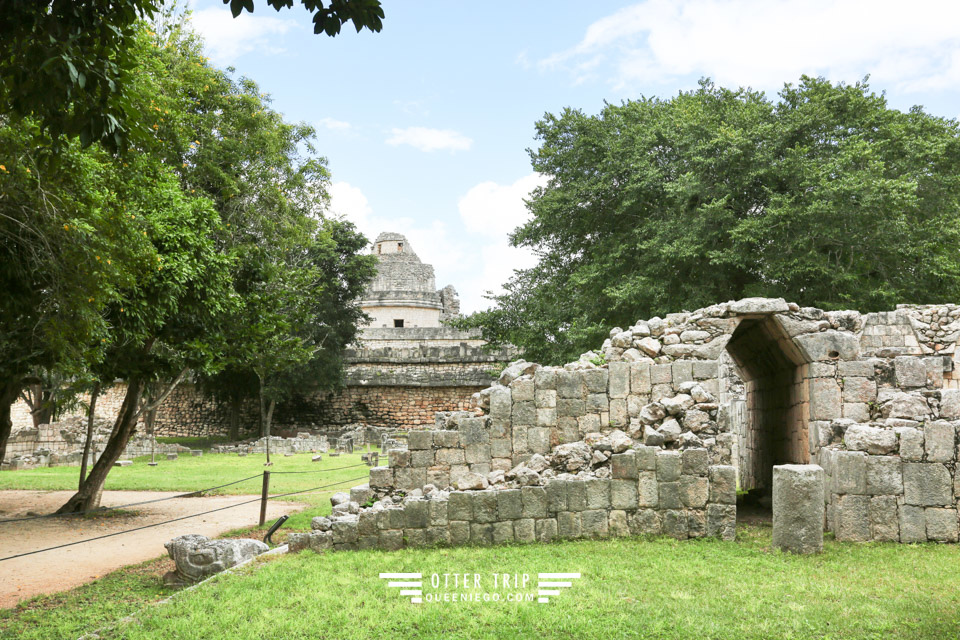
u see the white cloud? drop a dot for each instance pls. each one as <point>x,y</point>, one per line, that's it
<point>492,209</point>
<point>764,43</point>
<point>426,139</point>
<point>474,259</point>
<point>228,38</point>
<point>333,124</point>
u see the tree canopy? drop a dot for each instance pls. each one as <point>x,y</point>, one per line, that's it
<point>825,196</point>
<point>69,64</point>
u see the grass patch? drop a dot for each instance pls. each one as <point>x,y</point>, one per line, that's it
<point>632,587</point>
<point>188,473</point>
<point>72,613</point>
<point>194,442</point>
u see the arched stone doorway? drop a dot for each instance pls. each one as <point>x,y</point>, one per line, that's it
<point>775,427</point>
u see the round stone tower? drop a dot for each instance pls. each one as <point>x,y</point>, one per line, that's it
<point>404,292</point>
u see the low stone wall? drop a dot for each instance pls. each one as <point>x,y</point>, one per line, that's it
<point>653,440</point>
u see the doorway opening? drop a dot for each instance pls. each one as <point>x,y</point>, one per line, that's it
<point>775,428</point>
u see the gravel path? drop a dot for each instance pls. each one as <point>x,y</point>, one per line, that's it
<point>63,569</point>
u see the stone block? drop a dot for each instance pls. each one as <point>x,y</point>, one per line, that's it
<point>624,465</point>
<point>647,458</point>
<point>569,525</point>
<point>694,491</point>
<point>556,495</point>
<point>538,440</point>
<point>939,441</point>
<point>595,523</point>
<point>859,390</point>
<point>941,524</point>
<point>421,458</point>
<point>950,403</point>
<point>723,484</point>
<point>598,403</point>
<point>704,370</point>
<point>459,506</point>
<point>545,379</point>
<point>570,408</point>
<point>446,439</point>
<point>617,523</point>
<point>598,493</point>
<point>438,535</point>
<point>546,529</point>
<point>850,472</point>
<point>502,532</point>
<point>438,477</point>
<point>927,484</point>
<point>595,380</point>
<point>911,443</point>
<point>416,514</point>
<point>618,413</point>
<point>409,479</point>
<point>852,518</point>
<point>459,532</point>
<point>477,453</point>
<point>675,524</point>
<point>828,346</point>
<point>344,531</point>
<point>381,478</point>
<point>695,462</point>
<point>855,368</point>
<point>474,431</point>
<point>361,494</point>
<point>534,502</point>
<point>501,403</point>
<point>522,389</point>
<point>884,475</point>
<point>623,494</point>
<point>861,437</point>
<point>570,384</point>
<point>670,495</point>
<point>524,530</point>
<point>722,521</point>
<point>509,504</point>
<point>909,371</point>
<point>419,440</point>
<point>798,508</point>
<point>545,398</point>
<point>884,519</point>
<point>501,447</point>
<point>825,402</point>
<point>644,522</point>
<point>438,512</point>
<point>640,382</point>
<point>576,495</point>
<point>913,524</point>
<point>547,417</point>
<point>414,538</point>
<point>484,506</point>
<point>524,413</point>
<point>481,534</point>
<point>856,411</point>
<point>619,379</point>
<point>669,466</point>
<point>399,458</point>
<point>648,490</point>
<point>390,540</point>
<point>450,456</point>
<point>519,444</point>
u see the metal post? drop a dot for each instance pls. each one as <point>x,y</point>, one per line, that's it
<point>263,497</point>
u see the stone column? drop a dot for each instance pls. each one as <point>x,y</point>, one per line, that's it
<point>798,508</point>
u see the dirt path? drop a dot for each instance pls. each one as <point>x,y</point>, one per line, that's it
<point>63,569</point>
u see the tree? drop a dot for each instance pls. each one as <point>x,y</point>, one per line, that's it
<point>827,197</point>
<point>70,63</point>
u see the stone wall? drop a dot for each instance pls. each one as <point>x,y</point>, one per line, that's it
<point>653,441</point>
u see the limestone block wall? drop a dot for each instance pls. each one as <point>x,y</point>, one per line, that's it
<point>656,439</point>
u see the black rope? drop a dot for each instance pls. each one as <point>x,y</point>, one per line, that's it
<point>353,466</point>
<point>132,504</point>
<point>157,524</point>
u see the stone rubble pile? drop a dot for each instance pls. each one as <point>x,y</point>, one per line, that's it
<point>304,442</point>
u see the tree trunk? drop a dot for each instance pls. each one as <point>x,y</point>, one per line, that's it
<point>8,395</point>
<point>88,443</point>
<point>88,496</point>
<point>234,418</point>
<point>266,415</point>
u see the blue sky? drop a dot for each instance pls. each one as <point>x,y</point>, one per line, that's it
<point>426,124</point>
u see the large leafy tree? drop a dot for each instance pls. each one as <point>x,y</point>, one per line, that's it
<point>70,63</point>
<point>826,196</point>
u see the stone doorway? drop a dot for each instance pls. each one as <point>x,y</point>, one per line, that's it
<point>774,427</point>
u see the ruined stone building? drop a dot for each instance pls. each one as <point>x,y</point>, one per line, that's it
<point>407,367</point>
<point>686,410</point>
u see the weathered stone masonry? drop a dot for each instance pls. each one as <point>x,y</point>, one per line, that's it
<point>653,441</point>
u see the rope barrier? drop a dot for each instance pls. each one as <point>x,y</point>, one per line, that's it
<point>124,506</point>
<point>157,524</point>
<point>353,466</point>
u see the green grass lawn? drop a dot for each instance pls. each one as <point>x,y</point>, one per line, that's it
<point>630,587</point>
<point>188,473</point>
